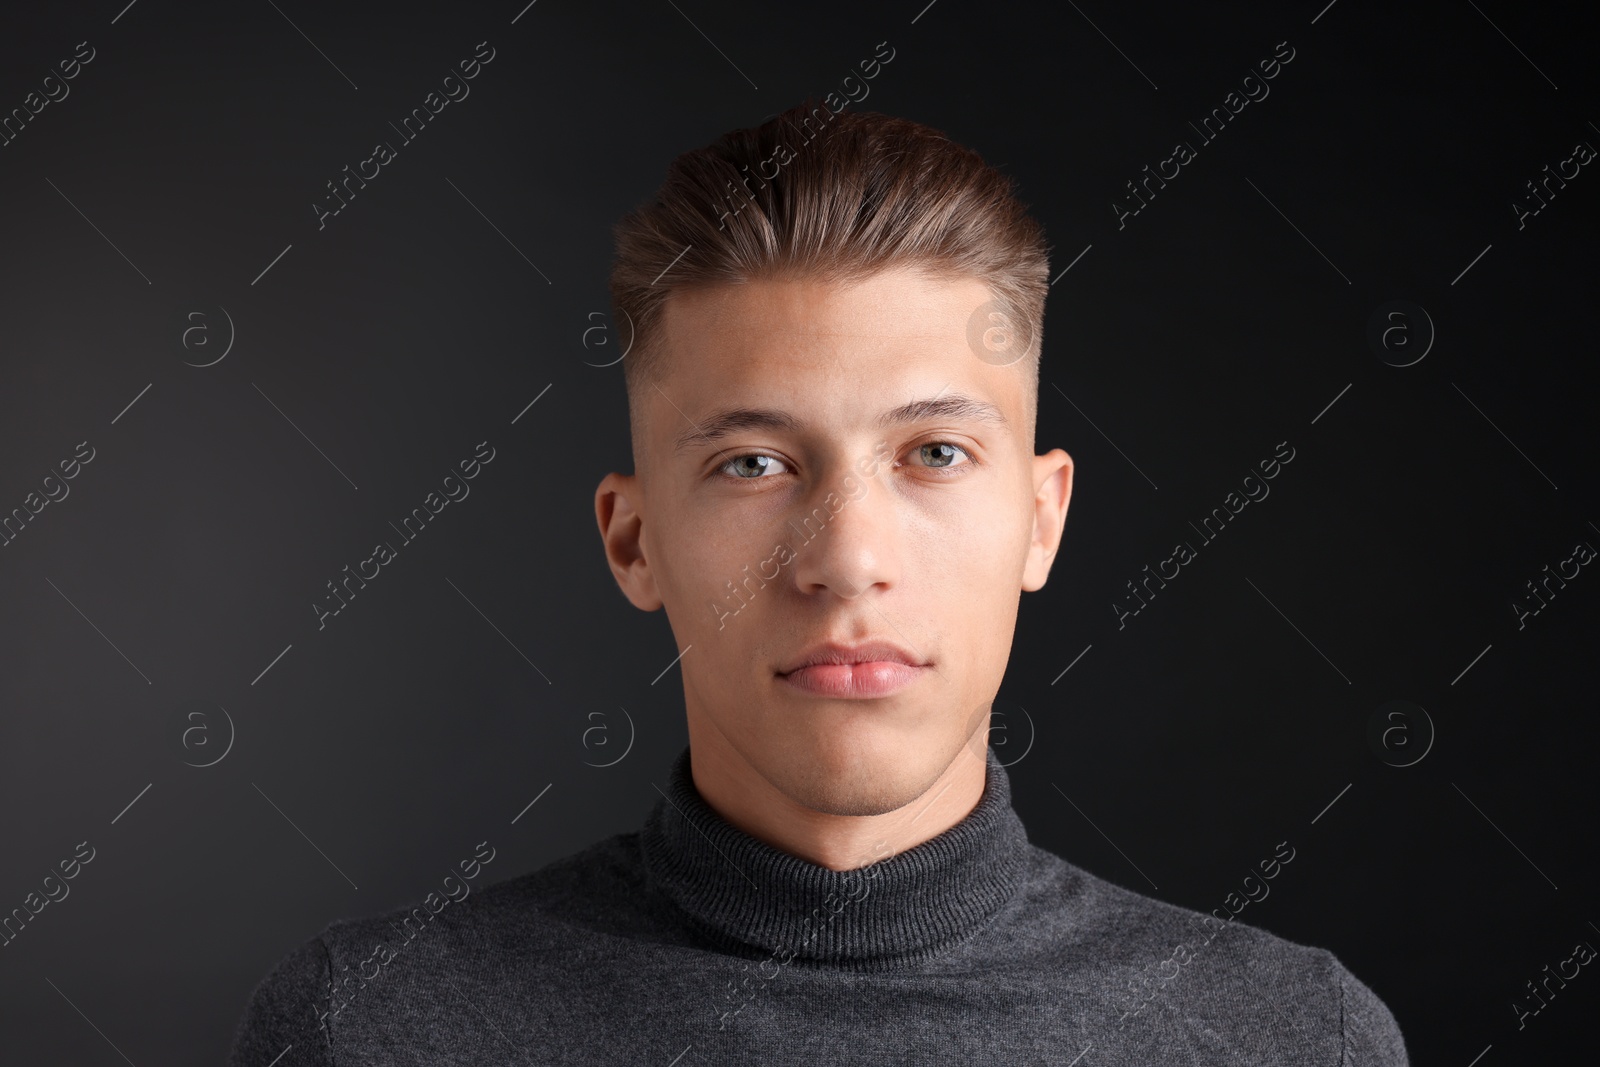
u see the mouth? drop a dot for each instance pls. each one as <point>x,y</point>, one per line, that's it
<point>876,678</point>
<point>873,669</point>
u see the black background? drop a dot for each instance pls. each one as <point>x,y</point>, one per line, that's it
<point>458,287</point>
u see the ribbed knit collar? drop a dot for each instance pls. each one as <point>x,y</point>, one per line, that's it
<point>745,895</point>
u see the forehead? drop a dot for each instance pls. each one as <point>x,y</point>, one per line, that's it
<point>834,356</point>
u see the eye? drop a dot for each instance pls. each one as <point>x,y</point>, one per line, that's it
<point>751,466</point>
<point>754,466</point>
<point>940,455</point>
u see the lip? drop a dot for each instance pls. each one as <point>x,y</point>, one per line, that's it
<point>869,669</point>
<point>872,678</point>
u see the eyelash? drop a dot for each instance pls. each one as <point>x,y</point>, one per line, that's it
<point>939,471</point>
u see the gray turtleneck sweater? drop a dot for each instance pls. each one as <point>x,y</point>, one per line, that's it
<point>691,942</point>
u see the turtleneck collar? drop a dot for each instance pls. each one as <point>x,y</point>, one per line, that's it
<point>743,894</point>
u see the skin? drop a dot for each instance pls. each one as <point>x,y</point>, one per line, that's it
<point>931,552</point>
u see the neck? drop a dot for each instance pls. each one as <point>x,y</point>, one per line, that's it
<point>889,913</point>
<point>744,798</point>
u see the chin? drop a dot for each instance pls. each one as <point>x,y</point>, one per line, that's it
<point>854,772</point>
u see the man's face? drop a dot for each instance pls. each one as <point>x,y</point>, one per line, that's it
<point>837,527</point>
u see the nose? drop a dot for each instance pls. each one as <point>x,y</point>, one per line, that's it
<point>846,542</point>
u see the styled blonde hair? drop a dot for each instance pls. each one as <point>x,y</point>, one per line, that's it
<point>832,195</point>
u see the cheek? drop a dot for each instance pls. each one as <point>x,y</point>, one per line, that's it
<point>970,544</point>
<point>973,562</point>
<point>696,562</point>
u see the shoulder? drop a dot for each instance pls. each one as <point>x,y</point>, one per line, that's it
<point>282,1023</point>
<point>1164,966</point>
<point>1370,1032</point>
<point>593,889</point>
<point>377,960</point>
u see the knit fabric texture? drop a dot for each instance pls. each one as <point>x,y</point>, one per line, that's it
<point>689,942</point>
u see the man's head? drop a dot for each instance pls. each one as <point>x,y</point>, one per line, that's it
<point>832,393</point>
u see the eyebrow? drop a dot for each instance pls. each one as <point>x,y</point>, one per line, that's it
<point>728,421</point>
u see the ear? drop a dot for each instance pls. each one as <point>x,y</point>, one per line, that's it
<point>1052,489</point>
<point>622,532</point>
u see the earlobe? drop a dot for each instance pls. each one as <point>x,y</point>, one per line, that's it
<point>621,533</point>
<point>1052,477</point>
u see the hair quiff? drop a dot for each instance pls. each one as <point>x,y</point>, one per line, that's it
<point>835,196</point>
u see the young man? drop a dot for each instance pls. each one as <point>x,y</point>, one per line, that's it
<point>836,499</point>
